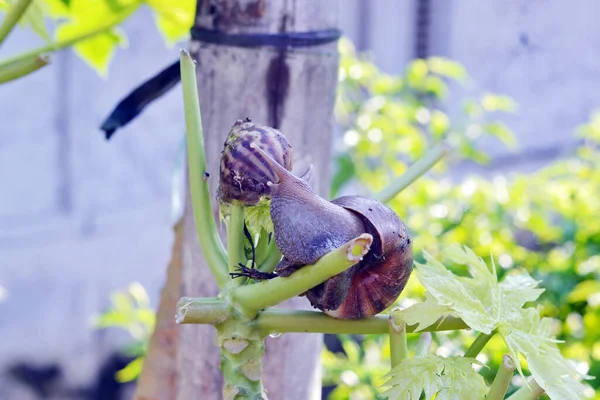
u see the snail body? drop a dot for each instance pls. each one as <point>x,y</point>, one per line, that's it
<point>306,227</point>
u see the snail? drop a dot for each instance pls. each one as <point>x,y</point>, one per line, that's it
<point>306,227</point>
<point>242,178</point>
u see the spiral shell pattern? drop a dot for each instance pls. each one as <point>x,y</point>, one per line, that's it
<point>243,172</point>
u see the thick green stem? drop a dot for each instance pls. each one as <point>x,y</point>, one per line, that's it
<point>398,344</point>
<point>249,299</point>
<point>479,344</point>
<point>20,69</point>
<point>210,242</point>
<point>502,379</point>
<point>58,45</point>
<point>235,238</point>
<point>531,391</point>
<point>210,311</point>
<point>241,364</point>
<point>424,344</point>
<point>13,15</point>
<point>412,173</point>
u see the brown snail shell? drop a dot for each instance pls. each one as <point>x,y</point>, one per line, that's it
<point>243,175</point>
<point>380,277</point>
<point>308,227</point>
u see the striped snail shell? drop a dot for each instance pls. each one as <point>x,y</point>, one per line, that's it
<point>243,175</point>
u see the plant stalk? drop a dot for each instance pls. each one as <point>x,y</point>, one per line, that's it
<point>210,242</point>
<point>213,311</point>
<point>20,69</point>
<point>478,344</point>
<point>202,310</point>
<point>235,238</point>
<point>502,380</point>
<point>249,299</point>
<point>398,344</point>
<point>272,259</point>
<point>412,173</point>
<point>241,364</point>
<point>530,391</point>
<point>12,17</point>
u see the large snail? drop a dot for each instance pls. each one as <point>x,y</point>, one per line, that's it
<point>306,227</point>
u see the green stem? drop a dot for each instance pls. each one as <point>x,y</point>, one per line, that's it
<point>241,365</point>
<point>531,391</point>
<point>412,173</point>
<point>262,247</point>
<point>424,344</point>
<point>20,69</point>
<point>210,311</point>
<point>502,380</point>
<point>13,15</point>
<point>211,244</point>
<point>235,238</point>
<point>478,344</point>
<point>57,45</point>
<point>398,344</point>
<point>273,258</point>
<point>249,299</point>
<point>213,311</point>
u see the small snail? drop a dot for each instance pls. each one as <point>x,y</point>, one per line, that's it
<point>306,227</point>
<point>242,177</point>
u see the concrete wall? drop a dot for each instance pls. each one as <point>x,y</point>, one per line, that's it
<point>81,217</point>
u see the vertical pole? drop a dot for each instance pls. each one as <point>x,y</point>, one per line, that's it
<point>292,90</point>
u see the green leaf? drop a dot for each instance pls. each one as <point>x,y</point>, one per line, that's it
<point>173,18</point>
<point>501,131</point>
<point>493,102</point>
<point>479,300</point>
<point>259,217</point>
<point>33,17</point>
<point>529,334</point>
<point>445,67</point>
<point>85,17</point>
<point>445,378</point>
<point>423,314</point>
<point>131,371</point>
<point>583,291</point>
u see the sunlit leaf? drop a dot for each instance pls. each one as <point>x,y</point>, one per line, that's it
<point>131,371</point>
<point>495,102</point>
<point>445,378</point>
<point>174,18</point>
<point>501,131</point>
<point>423,314</point>
<point>447,67</point>
<point>85,17</point>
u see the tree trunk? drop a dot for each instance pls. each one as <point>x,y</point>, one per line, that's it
<point>294,91</point>
<point>158,380</point>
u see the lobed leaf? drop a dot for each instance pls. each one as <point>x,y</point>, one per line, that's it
<point>445,378</point>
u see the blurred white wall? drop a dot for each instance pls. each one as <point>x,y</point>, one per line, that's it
<point>81,217</point>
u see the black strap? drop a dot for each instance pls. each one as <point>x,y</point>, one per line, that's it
<point>284,40</point>
<point>132,105</point>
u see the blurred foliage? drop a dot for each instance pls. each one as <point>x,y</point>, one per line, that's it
<point>545,222</point>
<point>73,18</point>
<point>130,310</point>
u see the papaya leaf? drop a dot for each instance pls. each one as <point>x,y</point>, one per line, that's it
<point>445,378</point>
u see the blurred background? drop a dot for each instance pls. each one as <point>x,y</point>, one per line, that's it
<point>86,225</point>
